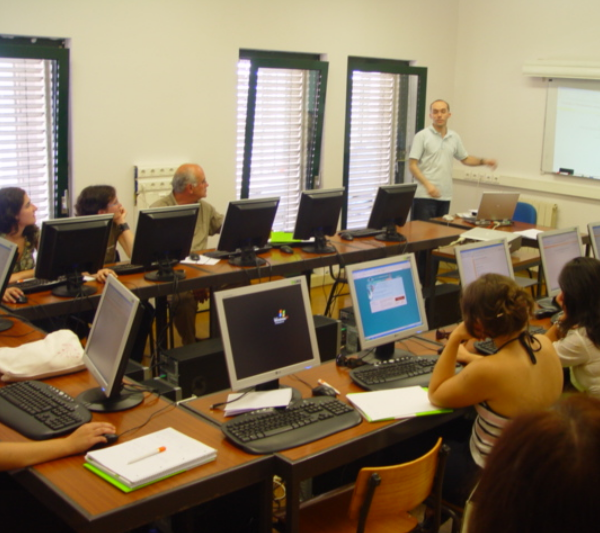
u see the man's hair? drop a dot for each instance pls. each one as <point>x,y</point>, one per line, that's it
<point>439,100</point>
<point>542,474</point>
<point>183,177</point>
<point>94,198</point>
<point>498,304</point>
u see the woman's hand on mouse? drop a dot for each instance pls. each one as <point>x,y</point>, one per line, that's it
<point>84,437</point>
<point>11,294</point>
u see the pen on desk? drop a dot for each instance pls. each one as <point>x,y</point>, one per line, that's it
<point>150,454</point>
<point>321,382</point>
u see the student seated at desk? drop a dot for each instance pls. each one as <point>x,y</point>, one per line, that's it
<point>20,510</point>
<point>542,474</point>
<point>524,375</point>
<point>576,334</point>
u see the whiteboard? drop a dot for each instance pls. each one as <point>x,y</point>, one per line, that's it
<point>572,129</point>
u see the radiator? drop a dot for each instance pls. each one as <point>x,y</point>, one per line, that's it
<point>547,212</point>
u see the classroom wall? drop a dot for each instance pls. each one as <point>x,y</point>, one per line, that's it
<point>499,112</point>
<point>153,82</point>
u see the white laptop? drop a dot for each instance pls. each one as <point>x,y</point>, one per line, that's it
<point>495,206</point>
<point>479,258</point>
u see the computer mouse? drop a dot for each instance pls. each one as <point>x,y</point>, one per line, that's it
<point>346,236</point>
<point>194,256</point>
<point>323,390</point>
<point>22,299</point>
<point>286,249</point>
<point>111,438</point>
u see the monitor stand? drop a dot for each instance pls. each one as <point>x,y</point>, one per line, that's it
<point>74,288</point>
<point>95,400</point>
<point>247,258</point>
<point>165,272</point>
<point>5,324</point>
<point>319,247</point>
<point>274,385</point>
<point>389,351</point>
<point>390,235</point>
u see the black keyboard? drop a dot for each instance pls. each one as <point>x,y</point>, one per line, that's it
<point>40,411</point>
<point>364,232</point>
<point>126,268</point>
<point>488,347</point>
<point>222,254</point>
<point>303,421</point>
<point>32,285</point>
<point>404,371</point>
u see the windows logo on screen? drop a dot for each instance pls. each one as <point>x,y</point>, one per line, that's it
<point>281,317</point>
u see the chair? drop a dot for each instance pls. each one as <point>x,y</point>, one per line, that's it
<point>525,212</point>
<point>380,498</point>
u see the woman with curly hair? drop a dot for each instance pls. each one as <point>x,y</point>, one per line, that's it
<point>524,375</point>
<point>576,334</point>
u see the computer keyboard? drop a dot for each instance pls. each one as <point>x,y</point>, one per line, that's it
<point>40,411</point>
<point>33,285</point>
<point>404,371</point>
<point>127,268</point>
<point>488,347</point>
<point>222,254</point>
<point>303,421</point>
<point>363,232</point>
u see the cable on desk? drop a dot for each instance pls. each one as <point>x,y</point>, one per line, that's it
<point>219,405</point>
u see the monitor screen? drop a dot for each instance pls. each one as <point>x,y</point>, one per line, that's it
<point>8,258</point>
<point>387,301</point>
<point>109,346</point>
<point>390,209</point>
<point>268,332</point>
<point>318,216</point>
<point>557,248</point>
<point>594,234</point>
<point>476,259</point>
<point>247,226</point>
<point>162,238</point>
<point>71,246</point>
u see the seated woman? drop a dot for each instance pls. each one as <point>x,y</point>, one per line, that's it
<point>541,475</point>
<point>17,224</point>
<point>102,199</point>
<point>576,335</point>
<point>524,375</point>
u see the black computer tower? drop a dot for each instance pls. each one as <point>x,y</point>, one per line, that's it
<point>329,336</point>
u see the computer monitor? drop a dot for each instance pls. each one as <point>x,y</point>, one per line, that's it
<point>247,227</point>
<point>594,235</point>
<point>557,248</point>
<point>8,258</point>
<point>71,246</point>
<point>479,258</point>
<point>162,238</point>
<point>318,216</point>
<point>388,303</point>
<point>268,332</point>
<point>108,348</point>
<point>390,209</point>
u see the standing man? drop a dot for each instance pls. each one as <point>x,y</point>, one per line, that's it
<point>189,186</point>
<point>430,163</point>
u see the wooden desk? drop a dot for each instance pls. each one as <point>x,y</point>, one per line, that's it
<point>304,462</point>
<point>89,504</point>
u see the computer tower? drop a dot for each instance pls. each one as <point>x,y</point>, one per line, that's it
<point>350,339</point>
<point>164,388</point>
<point>443,307</point>
<point>137,371</point>
<point>329,336</point>
<point>197,368</point>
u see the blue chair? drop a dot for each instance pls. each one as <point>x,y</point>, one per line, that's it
<point>525,212</point>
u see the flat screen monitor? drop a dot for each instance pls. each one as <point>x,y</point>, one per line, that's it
<point>162,238</point>
<point>71,246</point>
<point>388,303</point>
<point>594,235</point>
<point>109,345</point>
<point>268,332</point>
<point>557,248</point>
<point>318,216</point>
<point>247,227</point>
<point>390,209</point>
<point>479,258</point>
<point>8,258</point>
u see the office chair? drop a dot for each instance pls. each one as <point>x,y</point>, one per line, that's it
<point>525,212</point>
<point>379,500</point>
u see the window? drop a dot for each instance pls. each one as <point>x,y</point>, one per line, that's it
<point>34,153</point>
<point>280,122</point>
<point>385,107</point>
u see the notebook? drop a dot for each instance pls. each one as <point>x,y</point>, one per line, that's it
<point>147,459</point>
<point>495,206</point>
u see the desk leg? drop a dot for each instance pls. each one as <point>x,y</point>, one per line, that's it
<point>292,509</point>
